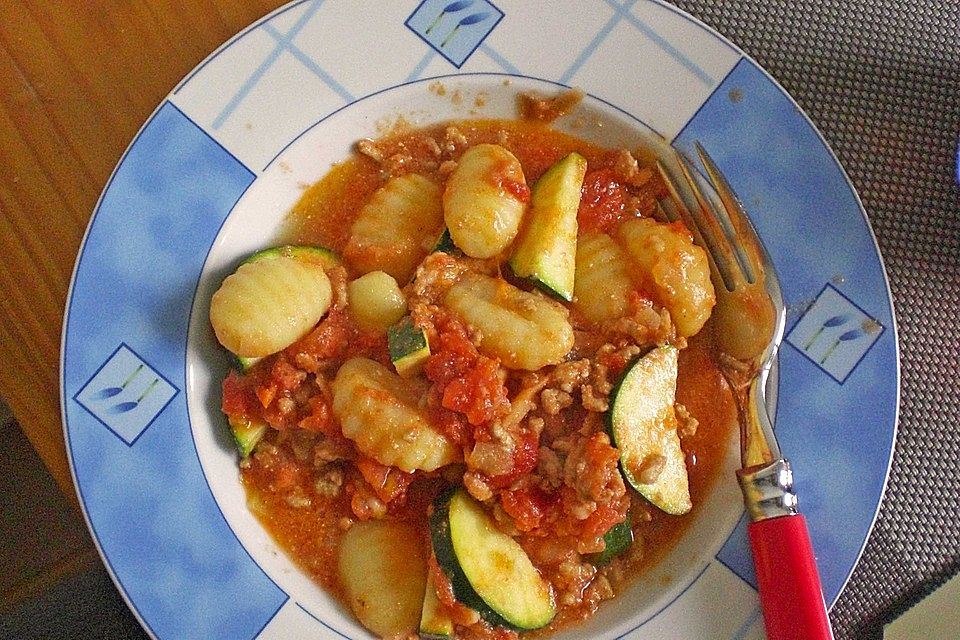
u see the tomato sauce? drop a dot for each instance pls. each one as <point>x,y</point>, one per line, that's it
<point>285,492</point>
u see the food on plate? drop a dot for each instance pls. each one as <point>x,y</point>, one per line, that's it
<point>484,200</point>
<point>473,393</point>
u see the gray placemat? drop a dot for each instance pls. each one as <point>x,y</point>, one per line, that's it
<point>881,80</point>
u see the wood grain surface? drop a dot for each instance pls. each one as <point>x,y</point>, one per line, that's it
<point>77,80</point>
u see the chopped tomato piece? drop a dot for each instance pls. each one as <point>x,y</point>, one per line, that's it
<point>602,202</point>
<point>239,396</point>
<point>527,506</point>
<point>479,394</point>
<point>524,460</point>
<point>388,483</point>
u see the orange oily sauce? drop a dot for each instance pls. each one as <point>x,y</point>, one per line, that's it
<point>323,216</point>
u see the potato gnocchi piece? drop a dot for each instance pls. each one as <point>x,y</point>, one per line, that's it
<point>484,200</point>
<point>267,305</point>
<point>379,411</point>
<point>602,281</point>
<point>676,270</point>
<point>396,227</point>
<point>383,567</point>
<point>376,301</point>
<point>524,330</point>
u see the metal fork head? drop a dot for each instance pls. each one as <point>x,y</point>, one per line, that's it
<point>749,315</point>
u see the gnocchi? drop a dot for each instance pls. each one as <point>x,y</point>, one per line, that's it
<point>383,566</point>
<point>484,200</point>
<point>267,305</point>
<point>602,281</point>
<point>524,330</point>
<point>376,301</point>
<point>677,270</point>
<point>396,227</point>
<point>379,411</point>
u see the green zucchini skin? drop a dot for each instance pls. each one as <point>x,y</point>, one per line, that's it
<point>546,251</point>
<point>306,253</point>
<point>246,434</point>
<point>522,610</point>
<point>618,539</point>
<point>643,423</point>
<point>244,364</point>
<point>445,244</point>
<point>435,622</point>
<point>408,347</point>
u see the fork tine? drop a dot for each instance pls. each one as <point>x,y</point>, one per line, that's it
<point>745,237</point>
<point>707,229</point>
<point>681,212</point>
<point>677,210</point>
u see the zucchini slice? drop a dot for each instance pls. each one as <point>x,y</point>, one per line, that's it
<point>445,244</point>
<point>246,433</point>
<point>408,347</point>
<point>618,539</point>
<point>435,622</point>
<point>643,424</point>
<point>325,257</point>
<point>244,363</point>
<point>489,571</point>
<point>546,252</point>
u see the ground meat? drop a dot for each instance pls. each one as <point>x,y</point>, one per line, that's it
<point>327,450</point>
<point>591,469</point>
<point>549,467</point>
<point>686,423</point>
<point>650,469</point>
<point>615,357</point>
<point>397,165</point>
<point>553,401</point>
<point>369,148</point>
<point>454,142</point>
<point>628,171</point>
<point>363,502</point>
<point>329,481</point>
<point>548,109</point>
<point>298,500</point>
<point>446,168</point>
<point>600,378</point>
<point>432,145</point>
<point>597,591</point>
<point>568,376</point>
<point>624,165</point>
<point>434,277</point>
<point>492,459</point>
<point>645,325</point>
<point>593,400</point>
<point>476,485</point>
<point>572,577</point>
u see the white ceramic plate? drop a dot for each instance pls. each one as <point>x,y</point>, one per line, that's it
<point>214,170</point>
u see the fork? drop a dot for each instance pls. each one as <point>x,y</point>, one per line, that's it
<point>749,320</point>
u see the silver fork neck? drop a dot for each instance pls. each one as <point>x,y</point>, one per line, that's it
<point>768,490</point>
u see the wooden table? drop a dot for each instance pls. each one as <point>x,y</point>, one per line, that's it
<point>77,80</point>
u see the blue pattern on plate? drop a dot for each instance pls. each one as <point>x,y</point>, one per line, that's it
<point>454,29</point>
<point>153,515</point>
<point>126,394</point>
<point>794,190</point>
<point>834,333</point>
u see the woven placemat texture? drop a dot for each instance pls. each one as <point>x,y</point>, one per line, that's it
<point>881,80</point>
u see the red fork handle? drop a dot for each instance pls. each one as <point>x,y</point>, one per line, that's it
<point>790,594</point>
